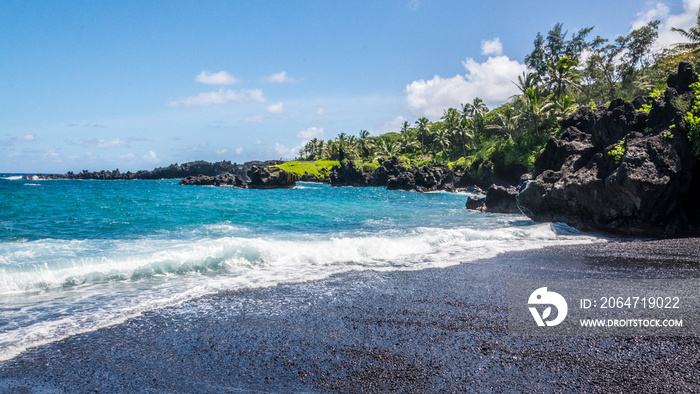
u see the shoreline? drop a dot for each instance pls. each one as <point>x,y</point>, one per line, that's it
<point>438,329</point>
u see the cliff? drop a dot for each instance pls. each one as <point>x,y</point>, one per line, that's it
<point>620,169</point>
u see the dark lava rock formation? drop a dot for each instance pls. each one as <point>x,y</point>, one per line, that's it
<point>498,199</point>
<point>260,178</point>
<point>395,177</point>
<point>225,179</point>
<point>270,178</point>
<point>173,171</point>
<point>650,189</point>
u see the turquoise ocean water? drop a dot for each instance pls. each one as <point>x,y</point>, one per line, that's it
<point>76,256</point>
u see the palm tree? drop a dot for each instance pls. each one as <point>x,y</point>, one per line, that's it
<point>408,143</point>
<point>311,149</point>
<point>466,111</point>
<point>352,147</point>
<point>321,149</point>
<point>475,111</point>
<point>525,82</point>
<point>332,150</point>
<point>535,106</point>
<point>387,149</point>
<point>478,107</point>
<point>510,122</point>
<point>562,107</point>
<point>692,34</point>
<point>422,130</point>
<point>405,127</point>
<point>464,134</point>
<point>441,141</point>
<point>365,144</point>
<point>450,118</point>
<point>562,75</point>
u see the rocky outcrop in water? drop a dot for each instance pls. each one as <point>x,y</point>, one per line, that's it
<point>498,199</point>
<point>173,171</point>
<point>270,178</point>
<point>225,179</point>
<point>260,178</point>
<point>621,170</point>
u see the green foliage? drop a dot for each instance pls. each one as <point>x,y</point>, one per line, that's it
<point>460,164</point>
<point>404,162</point>
<point>320,169</point>
<point>659,90</point>
<point>618,151</point>
<point>424,162</point>
<point>681,103</point>
<point>692,119</point>
<point>370,166</point>
<point>648,130</point>
<point>592,105</point>
<point>559,81</point>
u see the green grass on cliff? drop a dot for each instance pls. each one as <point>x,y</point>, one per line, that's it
<point>319,168</point>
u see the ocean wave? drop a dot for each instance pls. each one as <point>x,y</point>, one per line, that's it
<point>51,264</point>
<point>98,283</point>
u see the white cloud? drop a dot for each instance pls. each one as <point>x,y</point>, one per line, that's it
<point>491,81</point>
<point>320,111</point>
<point>280,77</point>
<point>220,78</point>
<point>221,151</point>
<point>24,138</point>
<point>661,11</point>
<point>258,142</point>
<point>492,47</point>
<point>239,150</point>
<point>281,149</point>
<point>288,153</point>
<point>276,108</point>
<point>654,11</point>
<point>151,157</point>
<point>392,125</point>
<point>311,132</point>
<point>218,97</point>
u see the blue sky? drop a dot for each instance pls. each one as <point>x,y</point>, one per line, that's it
<point>136,85</point>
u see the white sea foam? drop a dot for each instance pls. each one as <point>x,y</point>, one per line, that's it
<point>102,283</point>
<point>12,178</point>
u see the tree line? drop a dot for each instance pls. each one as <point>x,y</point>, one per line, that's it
<point>565,73</point>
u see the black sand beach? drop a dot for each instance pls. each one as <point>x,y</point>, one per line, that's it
<point>420,331</point>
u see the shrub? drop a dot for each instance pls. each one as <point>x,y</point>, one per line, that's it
<point>692,117</point>
<point>404,162</point>
<point>424,162</point>
<point>460,164</point>
<point>370,166</point>
<point>618,151</point>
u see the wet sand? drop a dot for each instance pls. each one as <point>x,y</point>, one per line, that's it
<point>415,331</point>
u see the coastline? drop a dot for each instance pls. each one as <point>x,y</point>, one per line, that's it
<point>438,329</point>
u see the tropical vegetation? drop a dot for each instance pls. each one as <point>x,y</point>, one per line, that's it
<point>565,74</point>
